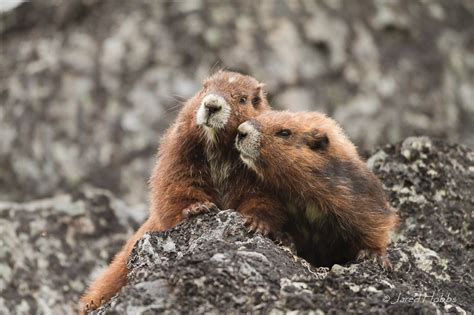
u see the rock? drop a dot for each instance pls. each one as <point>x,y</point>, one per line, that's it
<point>298,99</point>
<point>210,264</point>
<point>430,183</point>
<point>329,35</point>
<point>88,87</point>
<point>51,249</point>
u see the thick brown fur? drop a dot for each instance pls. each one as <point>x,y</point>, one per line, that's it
<point>198,169</point>
<point>338,206</point>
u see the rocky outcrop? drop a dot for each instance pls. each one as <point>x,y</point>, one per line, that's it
<point>210,264</point>
<point>87,86</point>
<point>50,249</point>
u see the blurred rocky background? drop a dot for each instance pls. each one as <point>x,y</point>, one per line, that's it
<point>87,87</point>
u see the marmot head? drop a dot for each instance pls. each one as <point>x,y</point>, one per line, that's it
<point>282,146</point>
<point>226,100</point>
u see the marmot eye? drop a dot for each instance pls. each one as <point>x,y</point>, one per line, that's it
<point>284,133</point>
<point>255,100</point>
<point>243,99</point>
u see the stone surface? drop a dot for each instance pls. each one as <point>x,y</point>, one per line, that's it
<point>87,87</point>
<point>51,249</point>
<point>210,264</point>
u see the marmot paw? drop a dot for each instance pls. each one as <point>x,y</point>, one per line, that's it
<point>284,239</point>
<point>198,208</point>
<point>87,307</point>
<point>258,226</point>
<point>375,256</point>
<point>91,305</point>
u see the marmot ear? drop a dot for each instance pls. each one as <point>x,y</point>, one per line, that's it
<point>317,141</point>
<point>260,93</point>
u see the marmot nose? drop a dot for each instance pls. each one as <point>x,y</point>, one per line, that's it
<point>241,135</point>
<point>212,107</point>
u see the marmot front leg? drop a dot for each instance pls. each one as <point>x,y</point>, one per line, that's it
<point>181,201</point>
<point>263,215</point>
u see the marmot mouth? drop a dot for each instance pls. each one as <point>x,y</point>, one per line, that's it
<point>208,125</point>
<point>246,156</point>
<point>213,125</point>
<point>243,152</point>
<point>249,161</point>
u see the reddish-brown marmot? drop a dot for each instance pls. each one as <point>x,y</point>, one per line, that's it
<point>198,168</point>
<point>338,208</point>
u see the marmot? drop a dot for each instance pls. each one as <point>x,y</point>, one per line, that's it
<point>198,169</point>
<point>339,211</point>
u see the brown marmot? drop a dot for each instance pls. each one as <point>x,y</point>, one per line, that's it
<point>339,211</point>
<point>198,169</point>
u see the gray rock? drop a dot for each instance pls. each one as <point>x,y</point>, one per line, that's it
<point>297,99</point>
<point>51,249</point>
<point>210,264</point>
